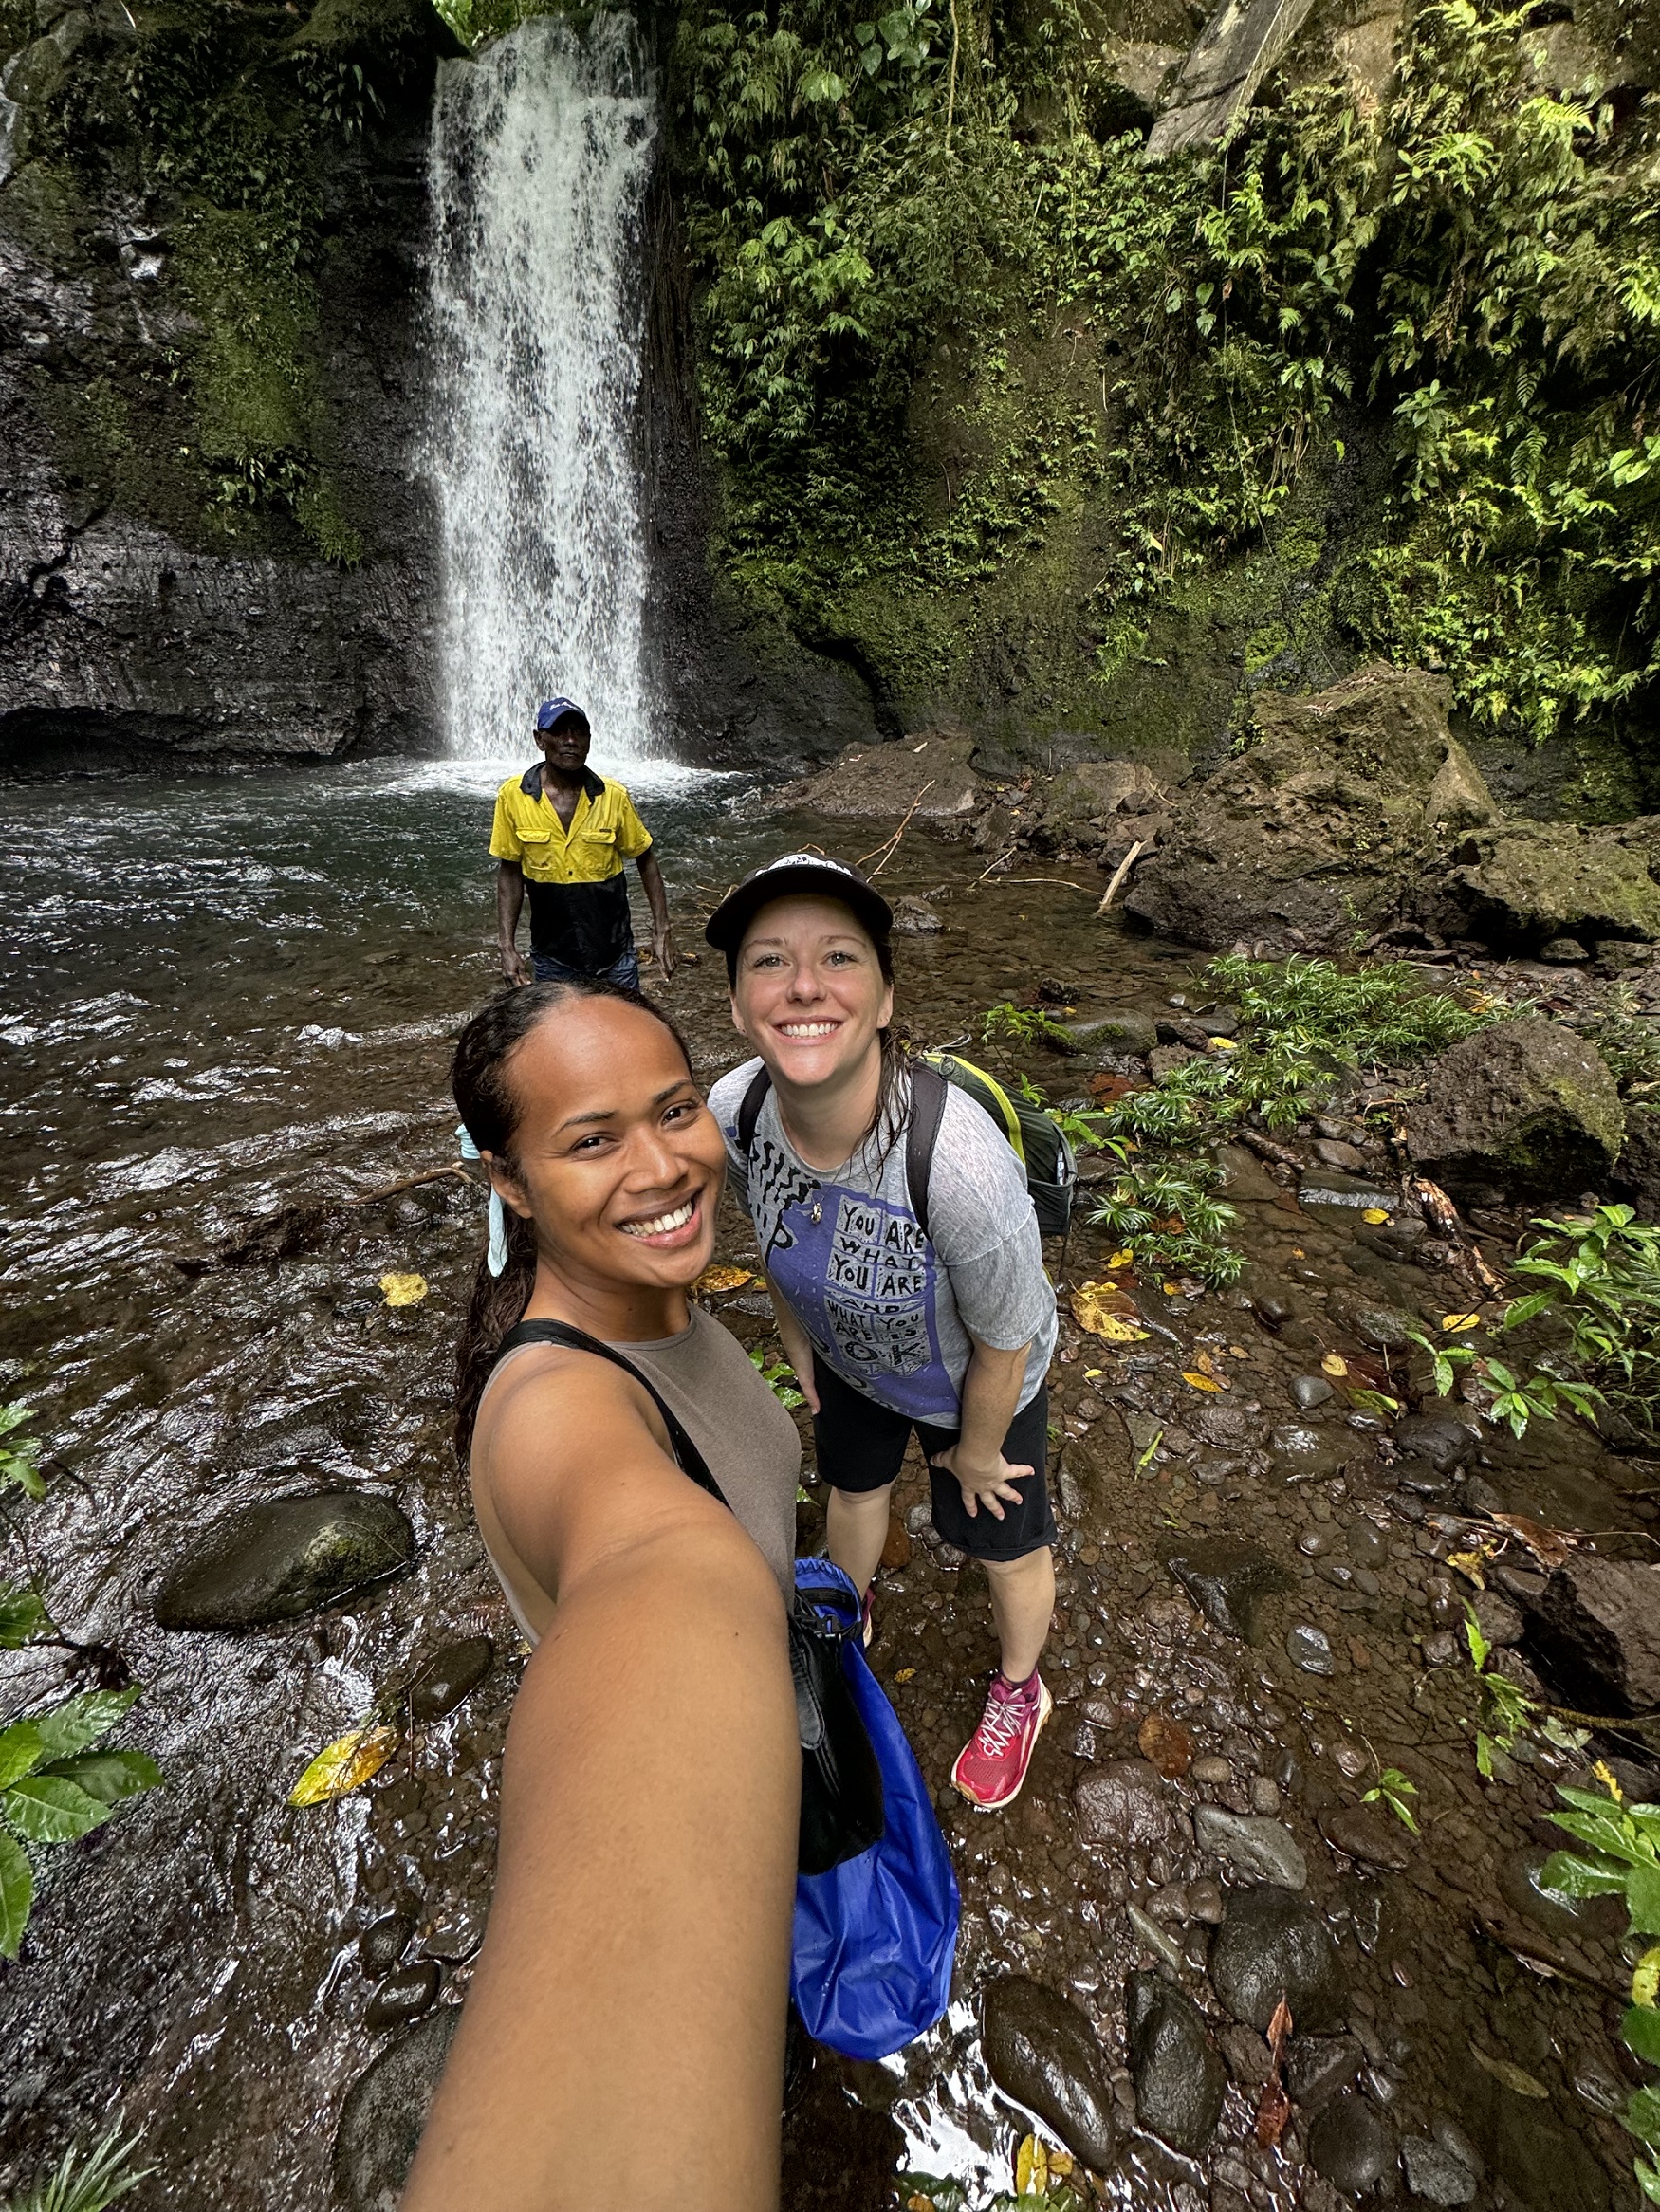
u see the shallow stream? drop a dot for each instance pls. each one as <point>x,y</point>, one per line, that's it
<point>235,995</point>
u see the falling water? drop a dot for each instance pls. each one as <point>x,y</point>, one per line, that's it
<point>540,156</point>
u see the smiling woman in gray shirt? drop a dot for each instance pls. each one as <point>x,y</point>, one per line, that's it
<point>888,1325</point>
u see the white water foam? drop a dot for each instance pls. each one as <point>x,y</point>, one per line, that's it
<point>540,154</point>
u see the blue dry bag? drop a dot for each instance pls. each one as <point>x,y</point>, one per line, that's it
<point>875,1937</point>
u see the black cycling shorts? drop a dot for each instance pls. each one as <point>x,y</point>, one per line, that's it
<point>861,1445</point>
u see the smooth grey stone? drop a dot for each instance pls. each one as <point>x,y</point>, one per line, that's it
<point>1041,2050</point>
<point>1311,1390</point>
<point>1274,1944</point>
<point>1369,1833</point>
<point>1360,1193</point>
<point>1263,1850</point>
<point>1439,1438</point>
<point>1316,2067</point>
<point>1148,1931</point>
<point>405,1996</point>
<point>1434,2174</point>
<point>1351,2144</point>
<point>448,1676</point>
<point>1227,1581</point>
<point>384,2113</point>
<point>282,1559</point>
<point>1310,1649</point>
<point>1368,1545</point>
<point>1178,2072</point>
<point>384,1942</point>
<point>1498,1619</point>
<point>1293,1437</point>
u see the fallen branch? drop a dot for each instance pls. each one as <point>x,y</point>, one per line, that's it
<point>891,845</point>
<point>1121,872</point>
<point>1266,1148</point>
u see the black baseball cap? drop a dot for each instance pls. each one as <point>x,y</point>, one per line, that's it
<point>782,878</point>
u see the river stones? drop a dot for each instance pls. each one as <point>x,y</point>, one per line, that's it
<point>1262,1849</point>
<point>1440,1438</point>
<point>448,1676</point>
<point>1316,2067</point>
<point>1433,2173</point>
<point>1310,1391</point>
<point>1120,1036</point>
<point>1123,1805</point>
<point>1179,2074</point>
<point>1228,1581</point>
<point>1310,1649</point>
<point>384,1942</point>
<point>1368,1833</point>
<point>1274,1944</point>
<point>384,2113</point>
<point>284,1559</point>
<point>405,1996</point>
<point>1351,2144</point>
<point>1387,1327</point>
<point>1041,2051</point>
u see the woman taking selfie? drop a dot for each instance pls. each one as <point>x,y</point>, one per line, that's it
<point>627,2016</point>
<point>888,1325</point>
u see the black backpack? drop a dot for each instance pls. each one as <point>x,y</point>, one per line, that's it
<point>1038,1145</point>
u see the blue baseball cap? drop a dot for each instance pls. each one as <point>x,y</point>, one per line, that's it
<point>553,711</point>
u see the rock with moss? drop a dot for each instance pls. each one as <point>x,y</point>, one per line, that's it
<point>1327,826</point>
<point>1527,882</point>
<point>926,776</point>
<point>1524,1107</point>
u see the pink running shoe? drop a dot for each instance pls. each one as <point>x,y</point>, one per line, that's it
<point>992,1765</point>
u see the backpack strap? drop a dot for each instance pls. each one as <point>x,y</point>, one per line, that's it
<point>750,1109</point>
<point>689,1460</point>
<point>927,1105</point>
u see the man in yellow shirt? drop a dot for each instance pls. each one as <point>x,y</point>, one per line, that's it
<point>564,833</point>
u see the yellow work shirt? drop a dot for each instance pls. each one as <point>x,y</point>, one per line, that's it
<point>579,897</point>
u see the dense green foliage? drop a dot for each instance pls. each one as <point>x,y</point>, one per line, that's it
<point>223,120</point>
<point>945,329</point>
<point>85,2181</point>
<point>55,1787</point>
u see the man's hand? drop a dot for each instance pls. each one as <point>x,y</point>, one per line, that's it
<point>663,951</point>
<point>515,967</point>
<point>983,1483</point>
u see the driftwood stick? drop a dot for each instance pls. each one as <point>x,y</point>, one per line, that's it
<point>1124,869</point>
<point>891,845</point>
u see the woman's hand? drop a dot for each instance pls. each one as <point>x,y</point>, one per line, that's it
<point>797,1345</point>
<point>983,1482</point>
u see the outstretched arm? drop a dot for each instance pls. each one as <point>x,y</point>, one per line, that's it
<point>629,2003</point>
<point>651,877</point>
<point>510,898</point>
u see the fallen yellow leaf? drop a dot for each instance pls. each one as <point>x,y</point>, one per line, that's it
<point>1031,2168</point>
<point>1298,1252</point>
<point>345,1765</point>
<point>1469,1564</point>
<point>404,1290</point>
<point>1512,2076</point>
<point>1171,1289</point>
<point>1237,1352</point>
<point>1646,1978</point>
<point>1060,2165</point>
<point>1333,1363</point>
<point>1457,1321</point>
<point>723,1278</point>
<point>1204,1382</point>
<point>1094,1373</point>
<point>1374,1214</point>
<point>906,1674</point>
<point>1120,1259</point>
<point>1223,1044</point>
<point>1103,1309</point>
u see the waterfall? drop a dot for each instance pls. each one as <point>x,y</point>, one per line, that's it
<point>540,154</point>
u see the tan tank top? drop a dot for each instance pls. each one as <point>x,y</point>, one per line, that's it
<point>748,1439</point>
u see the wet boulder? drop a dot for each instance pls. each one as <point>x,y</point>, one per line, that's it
<point>1317,2067</point>
<point>1124,1806</point>
<point>1179,2074</point>
<point>1528,1106</point>
<point>1228,1581</point>
<point>1118,1036</point>
<point>1041,2051</point>
<point>1368,1833</point>
<point>1442,1439</point>
<point>448,1676</point>
<point>1435,2173</point>
<point>1351,2144</point>
<point>1339,816</point>
<point>1636,1172</point>
<point>1274,1944</point>
<point>384,2113</point>
<point>405,1996</point>
<point>1597,1626</point>
<point>282,1559</point>
<point>928,771</point>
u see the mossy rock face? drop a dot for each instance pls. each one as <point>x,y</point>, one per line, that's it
<point>1526,1107</point>
<point>1529,881</point>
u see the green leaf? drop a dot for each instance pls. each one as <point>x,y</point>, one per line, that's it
<point>1649,2179</point>
<point>45,1808</point>
<point>1571,1876</point>
<point>1643,1899</point>
<point>1641,2030</point>
<point>16,1895</point>
<point>22,1615</point>
<point>21,1751</point>
<point>110,1776</point>
<point>79,1722</point>
<point>1642,2115</point>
